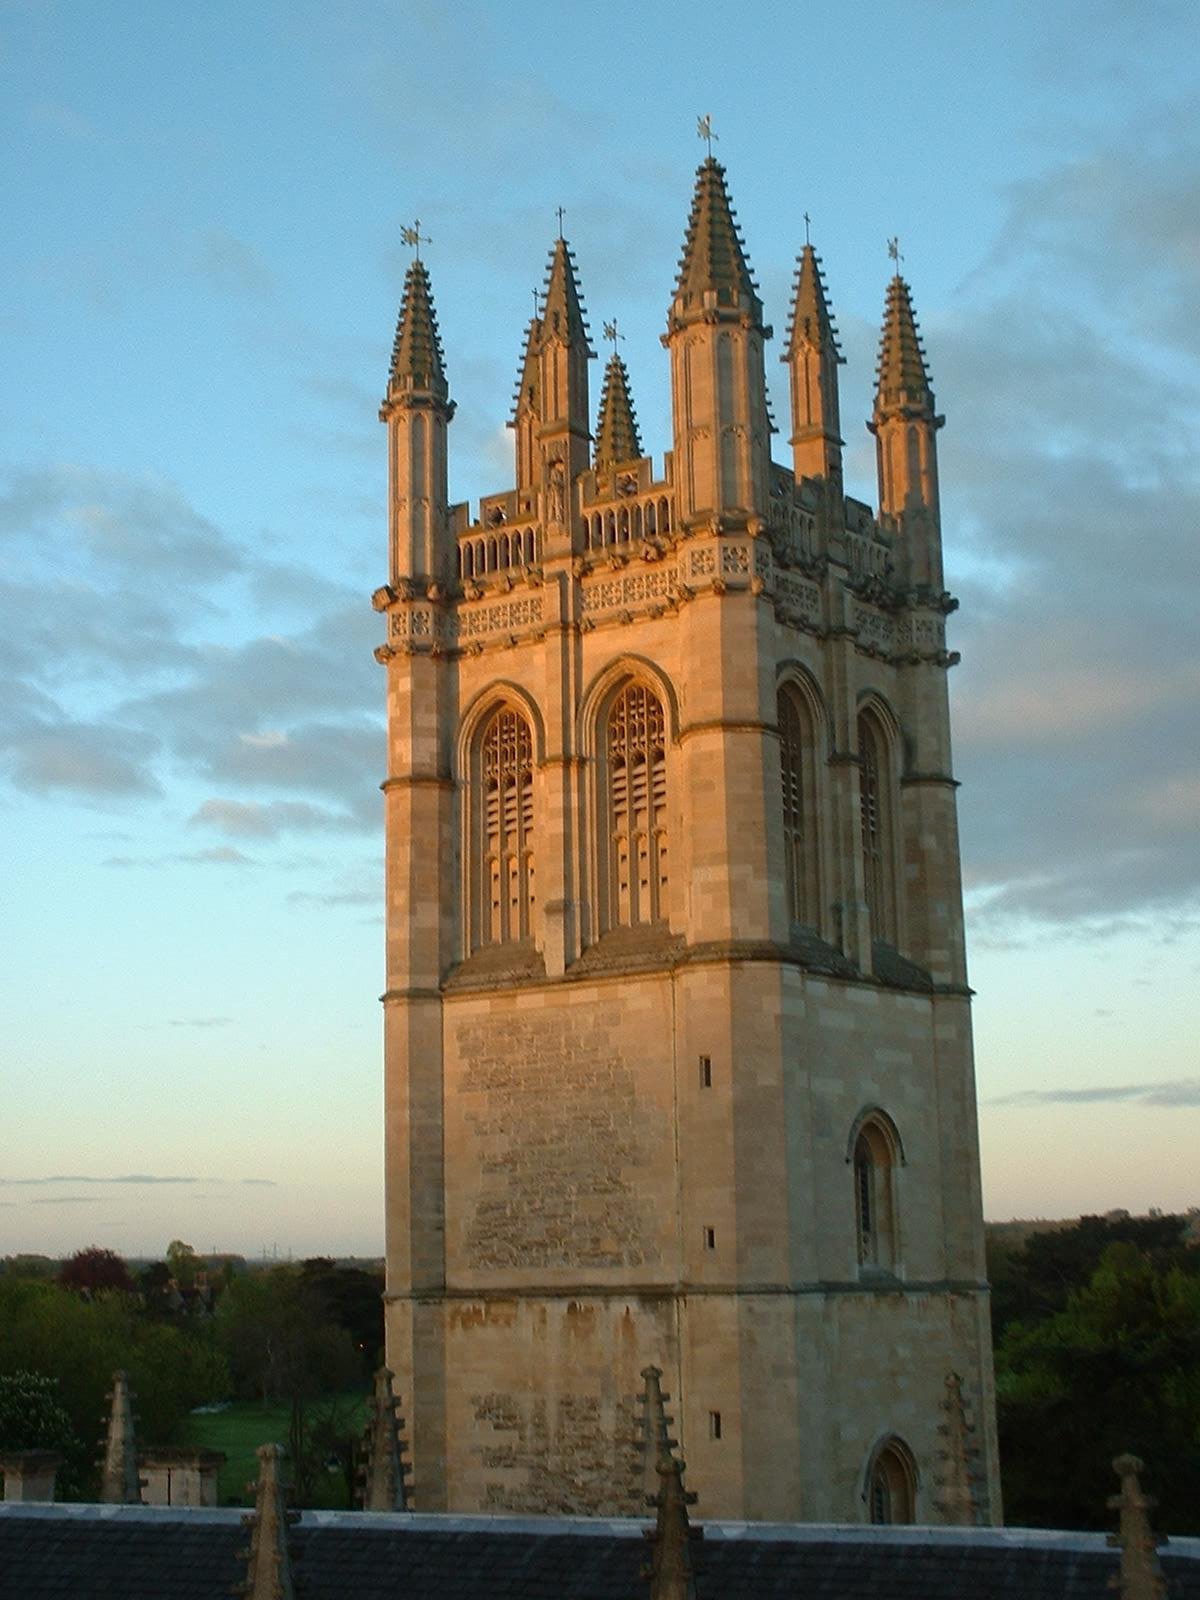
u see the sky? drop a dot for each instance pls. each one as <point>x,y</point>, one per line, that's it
<point>199,291</point>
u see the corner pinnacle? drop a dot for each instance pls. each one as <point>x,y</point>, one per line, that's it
<point>417,352</point>
<point>616,430</point>
<point>713,270</point>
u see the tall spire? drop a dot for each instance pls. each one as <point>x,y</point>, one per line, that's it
<point>119,1481</point>
<point>616,430</point>
<point>813,356</point>
<point>527,406</point>
<point>417,351</point>
<point>268,1564</point>
<point>902,379</point>
<point>713,270</point>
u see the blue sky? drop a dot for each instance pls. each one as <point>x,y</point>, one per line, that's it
<point>200,288</point>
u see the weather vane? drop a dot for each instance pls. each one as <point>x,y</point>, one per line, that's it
<point>704,130</point>
<point>415,237</point>
<point>807,225</point>
<point>560,213</point>
<point>894,251</point>
<point>610,332</point>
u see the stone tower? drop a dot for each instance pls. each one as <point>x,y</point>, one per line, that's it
<point>679,1061</point>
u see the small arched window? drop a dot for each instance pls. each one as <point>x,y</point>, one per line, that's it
<point>874,1161</point>
<point>876,801</point>
<point>634,803</point>
<point>798,777</point>
<point>892,1484</point>
<point>502,853</point>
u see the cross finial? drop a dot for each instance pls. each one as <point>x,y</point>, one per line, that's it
<point>537,302</point>
<point>560,213</point>
<point>704,130</point>
<point>610,332</point>
<point>414,237</point>
<point>894,251</point>
<point>807,225</point>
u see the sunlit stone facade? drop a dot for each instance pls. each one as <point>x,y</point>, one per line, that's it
<point>678,1029</point>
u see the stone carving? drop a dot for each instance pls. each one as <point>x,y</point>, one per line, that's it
<point>614,592</point>
<point>703,562</point>
<point>735,559</point>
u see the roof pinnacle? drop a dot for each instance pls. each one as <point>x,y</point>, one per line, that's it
<point>957,1480</point>
<point>811,321</point>
<point>902,378</point>
<point>563,316</point>
<point>1141,1575</point>
<point>616,430</point>
<point>119,1481</point>
<point>268,1564</point>
<point>383,1488</point>
<point>417,351</point>
<point>713,270</point>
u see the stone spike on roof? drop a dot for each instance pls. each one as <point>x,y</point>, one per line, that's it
<point>527,395</point>
<point>616,430</point>
<point>656,1442</point>
<point>714,257</point>
<point>958,1477</point>
<point>1141,1576</point>
<point>417,351</point>
<point>563,316</point>
<point>383,1476</point>
<point>902,380</point>
<point>811,321</point>
<point>269,1566</point>
<point>119,1481</point>
<point>672,1566</point>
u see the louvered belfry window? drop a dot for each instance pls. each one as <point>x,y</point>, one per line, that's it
<point>507,829</point>
<point>876,831</point>
<point>637,805</point>
<point>797,760</point>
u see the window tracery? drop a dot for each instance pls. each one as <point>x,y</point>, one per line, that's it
<point>636,807</point>
<point>504,831</point>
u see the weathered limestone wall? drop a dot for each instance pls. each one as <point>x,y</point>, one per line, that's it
<point>609,1204</point>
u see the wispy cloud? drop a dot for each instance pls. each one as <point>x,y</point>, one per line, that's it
<point>199,1022</point>
<point>1174,1092</point>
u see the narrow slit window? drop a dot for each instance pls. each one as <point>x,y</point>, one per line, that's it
<point>706,1072</point>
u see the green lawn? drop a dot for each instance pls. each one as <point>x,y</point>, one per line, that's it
<point>242,1427</point>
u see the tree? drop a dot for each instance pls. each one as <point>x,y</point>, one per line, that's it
<point>354,1298</point>
<point>32,1418</point>
<point>95,1269</point>
<point>1117,1369</point>
<point>183,1262</point>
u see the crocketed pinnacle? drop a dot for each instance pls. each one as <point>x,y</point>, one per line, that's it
<point>417,352</point>
<point>672,1566</point>
<point>811,322</point>
<point>617,430</point>
<point>1141,1576</point>
<point>268,1563</point>
<point>119,1481</point>
<point>383,1470</point>
<point>714,262</point>
<point>562,313</point>
<point>902,382</point>
<point>527,397</point>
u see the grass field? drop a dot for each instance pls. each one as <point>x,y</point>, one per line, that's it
<point>242,1427</point>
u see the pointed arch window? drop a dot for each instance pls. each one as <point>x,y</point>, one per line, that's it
<point>892,1484</point>
<point>798,777</point>
<point>503,845</point>
<point>874,1160</point>
<point>877,827</point>
<point>635,807</point>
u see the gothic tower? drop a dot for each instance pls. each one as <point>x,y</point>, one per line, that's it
<point>678,1037</point>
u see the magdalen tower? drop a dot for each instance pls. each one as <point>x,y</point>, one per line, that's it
<point>679,1065</point>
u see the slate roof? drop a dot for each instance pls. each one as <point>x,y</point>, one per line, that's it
<point>160,1553</point>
